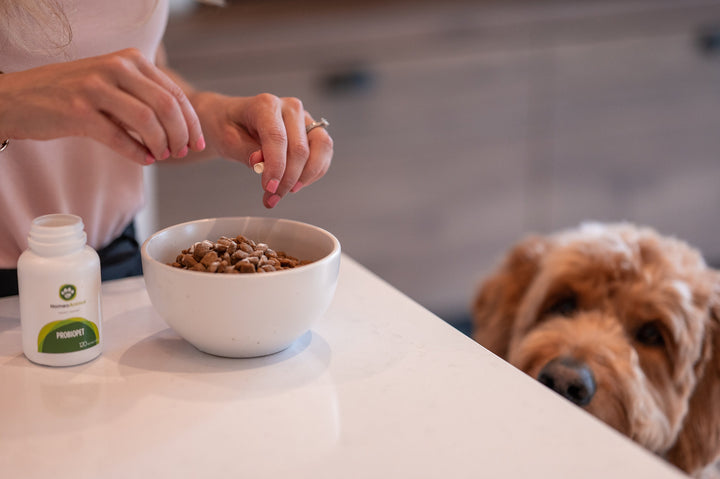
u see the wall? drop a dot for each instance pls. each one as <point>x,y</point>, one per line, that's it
<point>461,126</point>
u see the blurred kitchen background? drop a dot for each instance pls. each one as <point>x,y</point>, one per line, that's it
<point>461,126</point>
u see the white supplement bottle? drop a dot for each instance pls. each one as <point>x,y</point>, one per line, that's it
<point>59,288</point>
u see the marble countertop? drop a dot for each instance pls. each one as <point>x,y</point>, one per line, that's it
<point>379,388</point>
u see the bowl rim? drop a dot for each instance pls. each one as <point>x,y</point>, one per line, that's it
<point>145,255</point>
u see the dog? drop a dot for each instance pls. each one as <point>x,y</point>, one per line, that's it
<point>623,322</point>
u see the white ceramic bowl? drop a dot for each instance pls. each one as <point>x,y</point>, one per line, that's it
<point>242,315</point>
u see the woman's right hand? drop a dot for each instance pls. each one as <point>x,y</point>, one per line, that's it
<point>120,99</point>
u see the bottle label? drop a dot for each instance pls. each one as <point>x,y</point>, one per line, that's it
<point>67,336</point>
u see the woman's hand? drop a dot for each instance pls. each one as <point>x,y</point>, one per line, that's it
<point>270,129</point>
<point>120,99</point>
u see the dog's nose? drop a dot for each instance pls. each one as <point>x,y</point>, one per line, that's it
<point>571,378</point>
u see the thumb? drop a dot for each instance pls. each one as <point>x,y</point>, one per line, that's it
<point>241,146</point>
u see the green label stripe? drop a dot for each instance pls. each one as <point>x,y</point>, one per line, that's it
<point>67,335</point>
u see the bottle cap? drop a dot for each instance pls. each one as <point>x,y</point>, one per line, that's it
<point>57,234</point>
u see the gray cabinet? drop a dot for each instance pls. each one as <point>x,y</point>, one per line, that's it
<point>635,127</point>
<point>461,126</point>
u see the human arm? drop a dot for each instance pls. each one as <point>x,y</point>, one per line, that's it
<point>260,128</point>
<point>146,112</point>
<point>120,99</point>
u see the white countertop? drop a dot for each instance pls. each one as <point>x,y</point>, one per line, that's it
<point>380,388</point>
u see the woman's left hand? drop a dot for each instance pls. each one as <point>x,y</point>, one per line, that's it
<point>270,129</point>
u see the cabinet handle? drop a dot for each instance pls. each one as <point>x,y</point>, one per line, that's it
<point>708,40</point>
<point>348,81</point>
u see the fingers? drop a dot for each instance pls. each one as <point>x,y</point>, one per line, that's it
<point>120,99</point>
<point>266,119</point>
<point>309,162</point>
<point>150,104</point>
<point>271,130</point>
<point>137,117</point>
<point>107,131</point>
<point>321,152</point>
<point>298,148</point>
<point>174,110</point>
<point>296,160</point>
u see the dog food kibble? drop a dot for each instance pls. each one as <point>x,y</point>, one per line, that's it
<point>233,256</point>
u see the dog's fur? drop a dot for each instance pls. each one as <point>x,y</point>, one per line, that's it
<point>638,309</point>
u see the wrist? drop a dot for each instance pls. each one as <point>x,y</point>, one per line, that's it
<point>205,105</point>
<point>202,101</point>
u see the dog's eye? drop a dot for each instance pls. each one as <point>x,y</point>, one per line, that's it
<point>565,305</point>
<point>650,334</point>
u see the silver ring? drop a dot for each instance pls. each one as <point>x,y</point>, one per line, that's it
<point>4,144</point>
<point>323,123</point>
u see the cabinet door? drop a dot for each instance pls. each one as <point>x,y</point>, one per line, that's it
<point>426,183</point>
<point>635,136</point>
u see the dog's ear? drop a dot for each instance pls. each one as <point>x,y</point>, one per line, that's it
<point>495,305</point>
<point>698,443</point>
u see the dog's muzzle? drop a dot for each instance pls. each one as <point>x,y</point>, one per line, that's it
<point>570,378</point>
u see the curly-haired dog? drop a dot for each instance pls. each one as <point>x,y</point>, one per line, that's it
<point>621,321</point>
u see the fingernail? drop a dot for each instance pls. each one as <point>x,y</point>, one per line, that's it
<point>149,159</point>
<point>182,153</point>
<point>200,145</point>
<point>272,186</point>
<point>298,186</point>
<point>165,155</point>
<point>273,201</point>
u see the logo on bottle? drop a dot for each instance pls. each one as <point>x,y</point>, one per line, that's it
<point>67,292</point>
<point>68,335</point>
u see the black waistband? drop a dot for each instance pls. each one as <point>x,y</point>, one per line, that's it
<point>119,259</point>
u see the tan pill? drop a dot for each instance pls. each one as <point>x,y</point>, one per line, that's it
<point>259,167</point>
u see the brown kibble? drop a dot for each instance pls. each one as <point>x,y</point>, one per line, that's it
<point>188,260</point>
<point>238,255</point>
<point>288,262</point>
<point>246,267</point>
<point>210,257</point>
<point>234,256</point>
<point>201,249</point>
<point>231,245</point>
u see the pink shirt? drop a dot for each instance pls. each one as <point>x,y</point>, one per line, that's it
<point>76,175</point>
